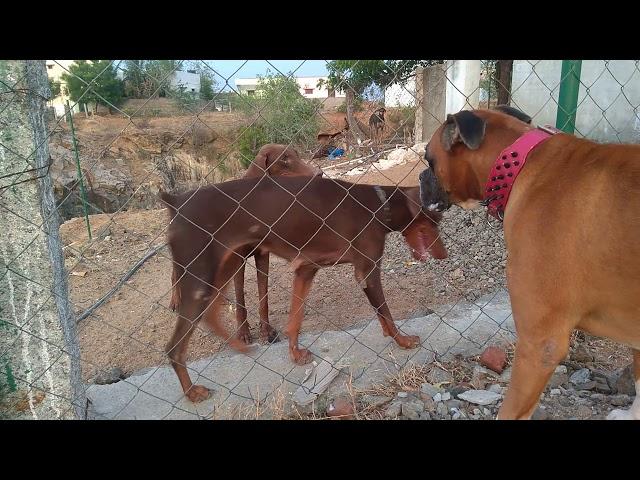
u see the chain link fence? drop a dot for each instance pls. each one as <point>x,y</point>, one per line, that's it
<point>87,273</point>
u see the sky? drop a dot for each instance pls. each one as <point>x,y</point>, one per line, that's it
<point>253,68</point>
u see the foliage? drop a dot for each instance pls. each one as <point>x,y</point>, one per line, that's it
<point>93,81</point>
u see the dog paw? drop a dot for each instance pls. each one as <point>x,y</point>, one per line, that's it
<point>198,393</point>
<point>301,356</point>
<point>270,335</point>
<point>622,415</point>
<point>244,335</point>
<point>408,341</point>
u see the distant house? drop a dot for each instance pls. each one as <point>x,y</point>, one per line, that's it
<point>308,87</point>
<point>398,95</point>
<point>190,80</point>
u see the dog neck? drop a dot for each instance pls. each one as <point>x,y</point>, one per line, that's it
<point>393,211</point>
<point>385,208</point>
<point>506,167</point>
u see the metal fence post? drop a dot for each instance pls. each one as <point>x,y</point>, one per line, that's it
<point>83,193</point>
<point>568,95</point>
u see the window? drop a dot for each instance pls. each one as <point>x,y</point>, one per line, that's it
<point>308,91</point>
<point>193,89</point>
<point>50,66</point>
<point>251,93</point>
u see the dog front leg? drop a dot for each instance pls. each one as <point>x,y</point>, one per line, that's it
<point>534,363</point>
<point>373,290</point>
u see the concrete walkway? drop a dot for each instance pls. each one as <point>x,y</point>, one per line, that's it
<point>265,381</point>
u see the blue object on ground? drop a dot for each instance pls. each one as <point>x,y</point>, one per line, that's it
<point>337,152</point>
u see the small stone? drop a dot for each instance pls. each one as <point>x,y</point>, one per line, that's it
<point>598,396</point>
<point>506,375</point>
<point>602,386</point>
<point>581,355</point>
<point>437,397</point>
<point>429,404</point>
<point>540,414</point>
<point>561,369</point>
<point>558,379</point>
<point>555,391</point>
<point>393,410</point>
<point>486,412</point>
<point>580,376</point>
<point>565,401</point>
<point>412,409</point>
<point>446,396</point>
<point>456,415</point>
<point>495,389</point>
<point>341,409</point>
<point>460,388</point>
<point>111,376</point>
<point>403,394</point>
<point>494,358</point>
<point>625,382</point>
<point>437,375</point>
<point>429,390</point>
<point>480,397</point>
<point>620,400</point>
<point>425,416</point>
<point>451,404</point>
<point>476,411</point>
<point>441,409</point>
<point>587,385</point>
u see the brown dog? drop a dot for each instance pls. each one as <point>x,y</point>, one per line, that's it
<point>311,222</point>
<point>272,159</point>
<point>571,227</point>
<point>376,125</point>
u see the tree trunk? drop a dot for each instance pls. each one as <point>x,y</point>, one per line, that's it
<point>503,74</point>
<point>40,364</point>
<point>353,125</point>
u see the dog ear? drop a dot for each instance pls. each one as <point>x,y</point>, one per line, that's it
<point>514,112</point>
<point>260,162</point>
<point>465,127</point>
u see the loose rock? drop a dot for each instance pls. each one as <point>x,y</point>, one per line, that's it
<point>480,397</point>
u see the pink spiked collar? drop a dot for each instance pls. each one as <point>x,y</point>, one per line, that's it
<point>507,167</point>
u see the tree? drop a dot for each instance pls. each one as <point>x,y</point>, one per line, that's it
<point>503,80</point>
<point>354,76</point>
<point>55,88</point>
<point>148,78</point>
<point>94,81</point>
<point>284,116</point>
<point>206,86</point>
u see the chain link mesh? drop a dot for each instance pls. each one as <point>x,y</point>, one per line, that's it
<point>120,281</point>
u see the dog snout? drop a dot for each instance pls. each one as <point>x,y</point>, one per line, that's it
<point>432,195</point>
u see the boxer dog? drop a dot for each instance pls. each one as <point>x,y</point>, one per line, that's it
<point>571,213</point>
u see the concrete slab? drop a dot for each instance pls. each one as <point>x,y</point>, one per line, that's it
<point>264,381</point>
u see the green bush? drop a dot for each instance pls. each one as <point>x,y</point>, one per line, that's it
<point>402,116</point>
<point>249,142</point>
<point>284,115</point>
